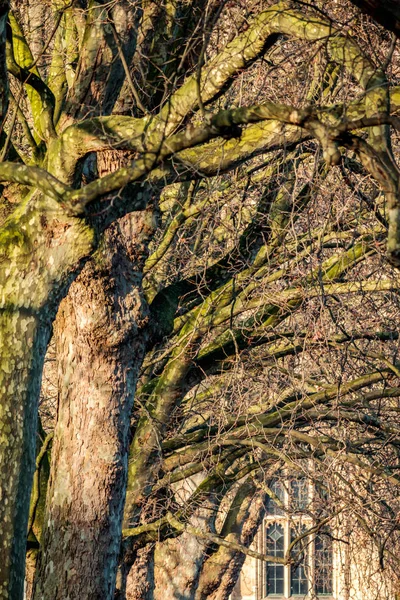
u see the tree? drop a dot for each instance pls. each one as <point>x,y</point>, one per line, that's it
<point>67,101</point>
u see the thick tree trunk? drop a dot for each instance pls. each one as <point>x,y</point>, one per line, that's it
<point>188,567</point>
<point>100,343</point>
<point>100,347</point>
<point>140,580</point>
<point>33,276</point>
<point>177,562</point>
<point>23,345</point>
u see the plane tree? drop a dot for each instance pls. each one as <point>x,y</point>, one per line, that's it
<point>106,105</point>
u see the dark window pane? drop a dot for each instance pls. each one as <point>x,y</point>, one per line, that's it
<point>275,579</point>
<point>275,573</point>
<point>273,507</point>
<point>323,564</point>
<point>298,571</point>
<point>299,581</point>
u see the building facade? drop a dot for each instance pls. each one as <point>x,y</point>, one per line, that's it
<point>331,560</point>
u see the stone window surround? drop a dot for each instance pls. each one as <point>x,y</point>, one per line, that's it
<point>285,520</point>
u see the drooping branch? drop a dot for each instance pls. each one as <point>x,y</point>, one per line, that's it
<point>276,416</point>
<point>238,54</point>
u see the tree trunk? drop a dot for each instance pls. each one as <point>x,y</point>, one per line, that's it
<point>100,347</point>
<point>38,258</point>
<point>178,561</point>
<point>221,570</point>
<point>23,345</point>
<point>140,580</point>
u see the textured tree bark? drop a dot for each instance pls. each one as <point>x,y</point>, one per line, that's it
<point>178,561</point>
<point>168,568</point>
<point>100,340</point>
<point>221,570</point>
<point>37,260</point>
<point>188,567</point>
<point>23,344</point>
<point>100,346</point>
<point>31,557</point>
<point>140,580</point>
<point>32,287</point>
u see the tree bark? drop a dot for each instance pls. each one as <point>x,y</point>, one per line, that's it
<point>100,339</point>
<point>140,580</point>
<point>38,259</point>
<point>23,345</point>
<point>221,570</point>
<point>100,347</point>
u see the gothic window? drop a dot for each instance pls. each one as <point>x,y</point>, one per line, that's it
<point>287,518</point>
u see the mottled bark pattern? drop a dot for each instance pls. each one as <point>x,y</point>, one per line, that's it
<point>140,582</point>
<point>17,433</point>
<point>100,346</point>
<point>178,562</point>
<point>100,328</point>
<point>221,571</point>
<point>33,276</point>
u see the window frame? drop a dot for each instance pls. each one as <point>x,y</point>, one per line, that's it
<point>286,521</point>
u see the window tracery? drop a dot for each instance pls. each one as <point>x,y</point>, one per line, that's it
<point>287,519</point>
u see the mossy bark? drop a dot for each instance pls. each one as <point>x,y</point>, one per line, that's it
<point>38,259</point>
